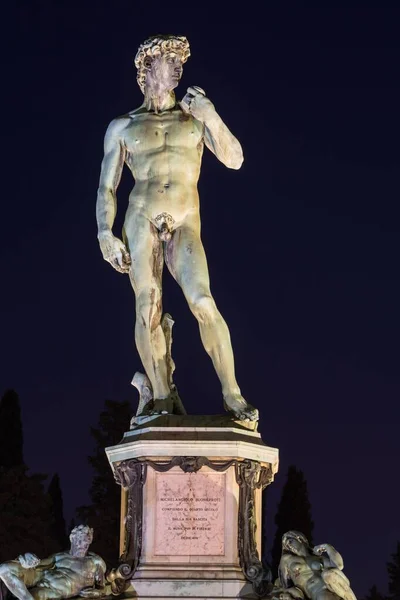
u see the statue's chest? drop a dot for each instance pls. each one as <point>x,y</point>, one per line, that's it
<point>315,563</point>
<point>157,132</point>
<point>84,564</point>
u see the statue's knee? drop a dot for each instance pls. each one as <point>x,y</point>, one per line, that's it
<point>9,568</point>
<point>203,307</point>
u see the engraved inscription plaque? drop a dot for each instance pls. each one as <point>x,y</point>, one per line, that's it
<point>190,514</point>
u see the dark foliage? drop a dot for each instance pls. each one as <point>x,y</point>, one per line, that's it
<point>294,512</point>
<point>374,594</point>
<point>27,522</point>
<point>103,513</point>
<point>11,437</point>
<point>393,569</point>
<point>26,514</point>
<point>57,526</point>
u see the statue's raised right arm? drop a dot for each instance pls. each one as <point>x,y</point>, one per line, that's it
<point>217,136</point>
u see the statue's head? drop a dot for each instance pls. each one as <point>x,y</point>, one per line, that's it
<point>295,542</point>
<point>81,537</point>
<point>159,62</point>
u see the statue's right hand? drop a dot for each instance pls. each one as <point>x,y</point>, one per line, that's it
<point>114,251</point>
<point>28,560</point>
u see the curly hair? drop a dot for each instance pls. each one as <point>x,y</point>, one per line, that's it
<point>156,46</point>
<point>296,535</point>
<point>79,529</point>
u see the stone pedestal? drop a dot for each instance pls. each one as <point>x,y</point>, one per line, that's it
<point>191,506</point>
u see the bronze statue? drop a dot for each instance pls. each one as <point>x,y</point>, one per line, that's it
<point>162,143</point>
<point>316,574</point>
<point>75,572</point>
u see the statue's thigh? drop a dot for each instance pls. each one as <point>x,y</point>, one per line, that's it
<point>13,568</point>
<point>146,253</point>
<point>39,593</point>
<point>326,595</point>
<point>187,262</point>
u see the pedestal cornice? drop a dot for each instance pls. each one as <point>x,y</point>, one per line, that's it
<point>213,437</point>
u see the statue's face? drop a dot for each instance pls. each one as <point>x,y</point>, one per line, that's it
<point>296,546</point>
<point>80,541</point>
<point>163,72</point>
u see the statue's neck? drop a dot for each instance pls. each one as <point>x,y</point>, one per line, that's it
<point>77,553</point>
<point>159,100</point>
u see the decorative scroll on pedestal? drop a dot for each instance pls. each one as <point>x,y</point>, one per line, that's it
<point>131,475</point>
<point>250,475</point>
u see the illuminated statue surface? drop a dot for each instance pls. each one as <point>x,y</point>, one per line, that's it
<point>75,572</point>
<point>162,144</point>
<point>316,574</point>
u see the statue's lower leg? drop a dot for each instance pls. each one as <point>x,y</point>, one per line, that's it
<point>158,394</point>
<point>217,342</point>
<point>150,343</point>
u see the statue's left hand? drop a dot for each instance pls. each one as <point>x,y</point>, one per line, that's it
<point>320,549</point>
<point>200,106</point>
<point>91,592</point>
<point>28,560</point>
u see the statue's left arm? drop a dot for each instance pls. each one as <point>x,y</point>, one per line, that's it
<point>217,136</point>
<point>333,559</point>
<point>332,573</point>
<point>99,579</point>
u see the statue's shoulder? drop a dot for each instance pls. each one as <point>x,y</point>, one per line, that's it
<point>284,559</point>
<point>57,556</point>
<point>97,559</point>
<point>118,124</point>
<point>121,122</point>
<point>289,560</point>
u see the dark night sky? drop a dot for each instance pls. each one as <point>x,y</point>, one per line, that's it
<point>302,242</point>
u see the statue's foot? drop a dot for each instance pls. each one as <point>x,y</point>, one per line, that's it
<point>242,410</point>
<point>161,406</point>
<point>172,405</point>
<point>178,407</point>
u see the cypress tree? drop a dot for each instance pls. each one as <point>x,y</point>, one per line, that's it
<point>25,506</point>
<point>393,569</point>
<point>294,512</point>
<point>103,514</point>
<point>11,436</point>
<point>57,527</point>
<point>374,594</point>
<point>26,514</point>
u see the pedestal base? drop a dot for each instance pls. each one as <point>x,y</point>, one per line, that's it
<point>191,506</point>
<point>195,589</point>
